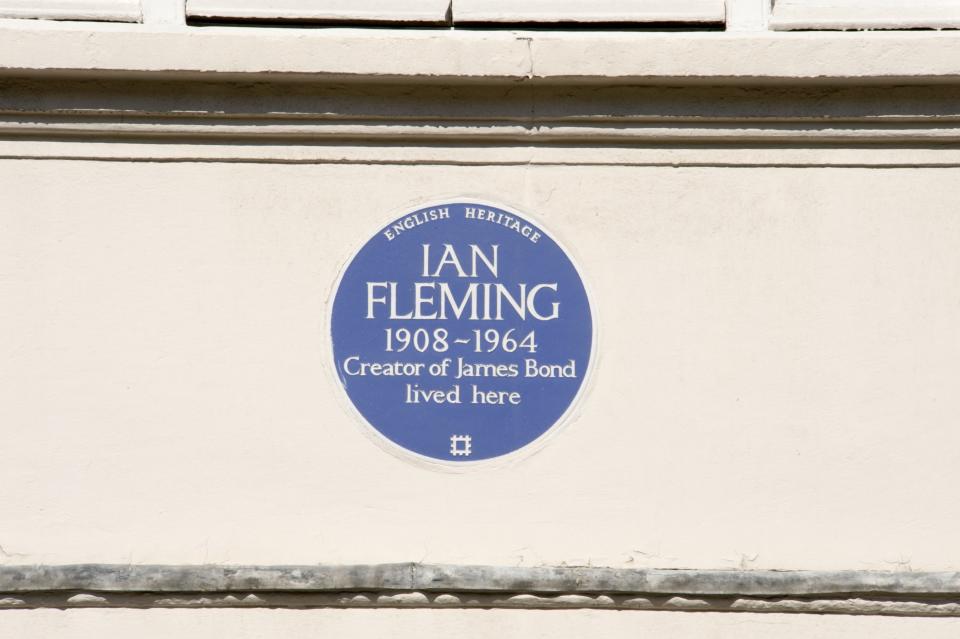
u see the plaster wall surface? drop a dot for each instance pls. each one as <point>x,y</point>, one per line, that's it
<point>430,624</point>
<point>775,388</point>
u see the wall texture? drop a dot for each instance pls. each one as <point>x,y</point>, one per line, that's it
<point>767,230</point>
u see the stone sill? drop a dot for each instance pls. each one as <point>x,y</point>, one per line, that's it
<point>52,49</point>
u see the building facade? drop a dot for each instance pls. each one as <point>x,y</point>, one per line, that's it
<point>744,423</point>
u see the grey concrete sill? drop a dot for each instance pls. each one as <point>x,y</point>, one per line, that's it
<point>412,585</point>
<point>464,56</point>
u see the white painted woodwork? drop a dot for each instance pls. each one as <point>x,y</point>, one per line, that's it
<point>865,14</point>
<point>748,15</point>
<point>554,11</point>
<point>413,11</point>
<point>163,12</point>
<point>99,10</point>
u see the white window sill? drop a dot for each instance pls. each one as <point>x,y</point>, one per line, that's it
<point>425,55</point>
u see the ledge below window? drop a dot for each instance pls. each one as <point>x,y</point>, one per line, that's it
<point>465,56</point>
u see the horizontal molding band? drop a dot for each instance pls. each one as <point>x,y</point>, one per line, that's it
<point>490,155</point>
<point>465,56</point>
<point>320,113</point>
<point>433,577</point>
<point>318,122</point>
<point>415,585</point>
<point>266,102</point>
<point>467,134</point>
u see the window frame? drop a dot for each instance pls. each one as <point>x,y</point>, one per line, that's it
<point>834,15</point>
<point>349,11</point>
<point>87,10</point>
<point>590,11</point>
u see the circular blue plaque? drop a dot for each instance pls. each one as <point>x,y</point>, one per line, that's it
<point>461,332</point>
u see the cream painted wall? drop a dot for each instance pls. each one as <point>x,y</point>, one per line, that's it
<point>442,624</point>
<point>776,387</point>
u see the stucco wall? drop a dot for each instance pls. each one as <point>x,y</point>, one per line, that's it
<point>765,224</point>
<point>434,624</point>
<point>774,387</point>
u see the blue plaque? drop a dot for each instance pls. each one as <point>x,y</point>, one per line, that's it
<point>461,332</point>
